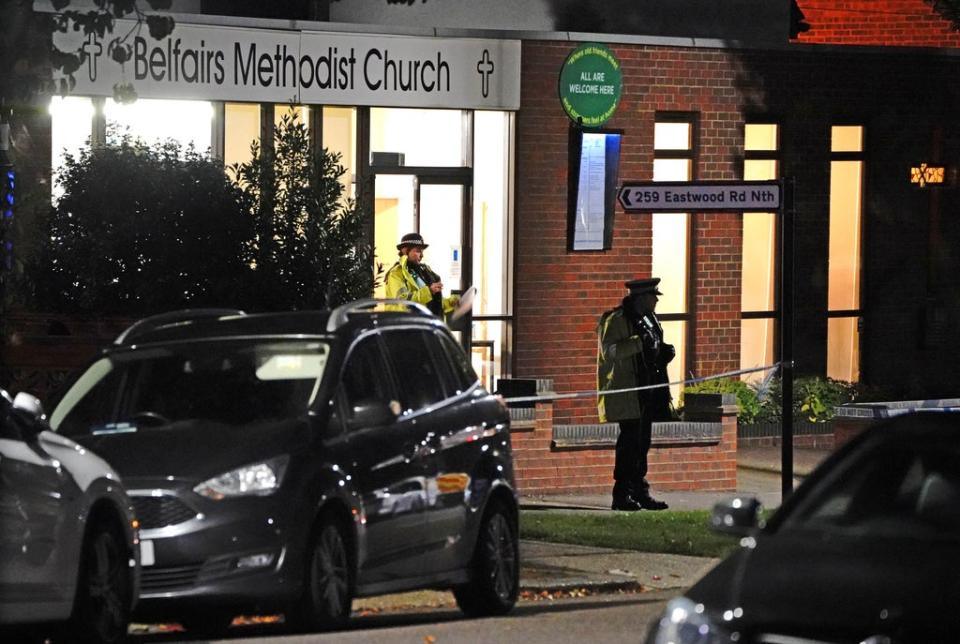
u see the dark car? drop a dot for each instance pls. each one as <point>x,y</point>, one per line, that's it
<point>68,536</point>
<point>292,461</point>
<point>866,550</point>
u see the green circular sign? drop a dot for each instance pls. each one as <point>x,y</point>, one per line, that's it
<point>590,84</point>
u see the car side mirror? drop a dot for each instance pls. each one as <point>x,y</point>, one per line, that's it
<point>372,412</point>
<point>27,412</point>
<point>738,516</point>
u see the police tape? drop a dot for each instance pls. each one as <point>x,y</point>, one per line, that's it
<point>595,392</point>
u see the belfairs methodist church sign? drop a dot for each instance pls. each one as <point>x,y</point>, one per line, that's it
<point>590,84</point>
<point>241,64</point>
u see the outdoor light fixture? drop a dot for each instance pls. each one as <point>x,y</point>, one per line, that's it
<point>927,174</point>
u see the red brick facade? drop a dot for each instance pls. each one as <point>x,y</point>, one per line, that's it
<point>909,106</point>
<point>542,468</point>
<point>560,295</point>
<point>896,23</point>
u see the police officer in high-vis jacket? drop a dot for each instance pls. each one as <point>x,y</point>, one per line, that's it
<point>631,353</point>
<point>411,279</point>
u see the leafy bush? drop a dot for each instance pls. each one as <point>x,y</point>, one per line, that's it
<point>747,398</point>
<point>145,228</point>
<point>141,229</point>
<point>814,398</point>
<point>309,248</point>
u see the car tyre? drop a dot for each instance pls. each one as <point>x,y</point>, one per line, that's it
<point>328,583</point>
<point>101,611</point>
<point>495,567</point>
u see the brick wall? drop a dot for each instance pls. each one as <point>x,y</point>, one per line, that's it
<point>560,295</point>
<point>543,468</point>
<point>902,99</point>
<point>876,22</point>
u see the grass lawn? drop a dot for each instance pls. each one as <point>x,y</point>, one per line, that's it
<point>675,532</point>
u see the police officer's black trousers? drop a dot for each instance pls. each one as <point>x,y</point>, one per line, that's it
<point>630,467</point>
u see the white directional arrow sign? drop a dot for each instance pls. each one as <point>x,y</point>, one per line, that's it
<point>710,196</point>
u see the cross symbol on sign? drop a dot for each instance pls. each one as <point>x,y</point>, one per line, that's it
<point>92,50</point>
<point>485,68</point>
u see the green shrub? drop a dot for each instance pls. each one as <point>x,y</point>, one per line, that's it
<point>309,248</point>
<point>140,229</point>
<point>814,398</point>
<point>746,397</point>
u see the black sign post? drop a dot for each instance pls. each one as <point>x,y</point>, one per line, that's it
<point>739,196</point>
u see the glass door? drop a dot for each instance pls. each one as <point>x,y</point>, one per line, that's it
<point>447,175</point>
<point>432,204</point>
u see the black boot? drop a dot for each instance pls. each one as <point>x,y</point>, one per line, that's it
<point>623,500</point>
<point>647,502</point>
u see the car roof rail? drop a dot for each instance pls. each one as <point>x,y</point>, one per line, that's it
<point>145,325</point>
<point>338,316</point>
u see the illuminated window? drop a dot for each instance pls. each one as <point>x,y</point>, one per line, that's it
<point>340,135</point>
<point>71,120</point>
<point>843,285</point>
<point>153,121</point>
<point>761,147</point>
<point>241,129</point>
<point>491,258</point>
<point>408,132</point>
<point>454,172</point>
<point>300,113</point>
<point>673,138</point>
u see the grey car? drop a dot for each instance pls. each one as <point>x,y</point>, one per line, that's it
<point>292,461</point>
<point>69,552</point>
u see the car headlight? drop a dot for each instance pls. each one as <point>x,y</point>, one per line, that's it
<point>257,479</point>
<point>685,622</point>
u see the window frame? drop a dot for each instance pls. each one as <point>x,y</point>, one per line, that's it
<point>775,155</point>
<point>691,154</point>
<point>857,313</point>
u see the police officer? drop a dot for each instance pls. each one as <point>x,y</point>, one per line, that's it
<point>411,279</point>
<point>631,353</point>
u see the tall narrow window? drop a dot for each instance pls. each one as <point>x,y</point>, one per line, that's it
<point>843,289</point>
<point>673,142</point>
<point>761,151</point>
<point>492,315</point>
<point>340,136</point>
<point>71,124</point>
<point>241,129</point>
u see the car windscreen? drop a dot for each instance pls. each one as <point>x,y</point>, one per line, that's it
<point>899,490</point>
<point>229,382</point>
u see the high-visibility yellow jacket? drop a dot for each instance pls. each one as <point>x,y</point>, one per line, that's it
<point>618,350</point>
<point>625,361</point>
<point>402,285</point>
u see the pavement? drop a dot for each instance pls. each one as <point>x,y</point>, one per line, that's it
<point>553,569</point>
